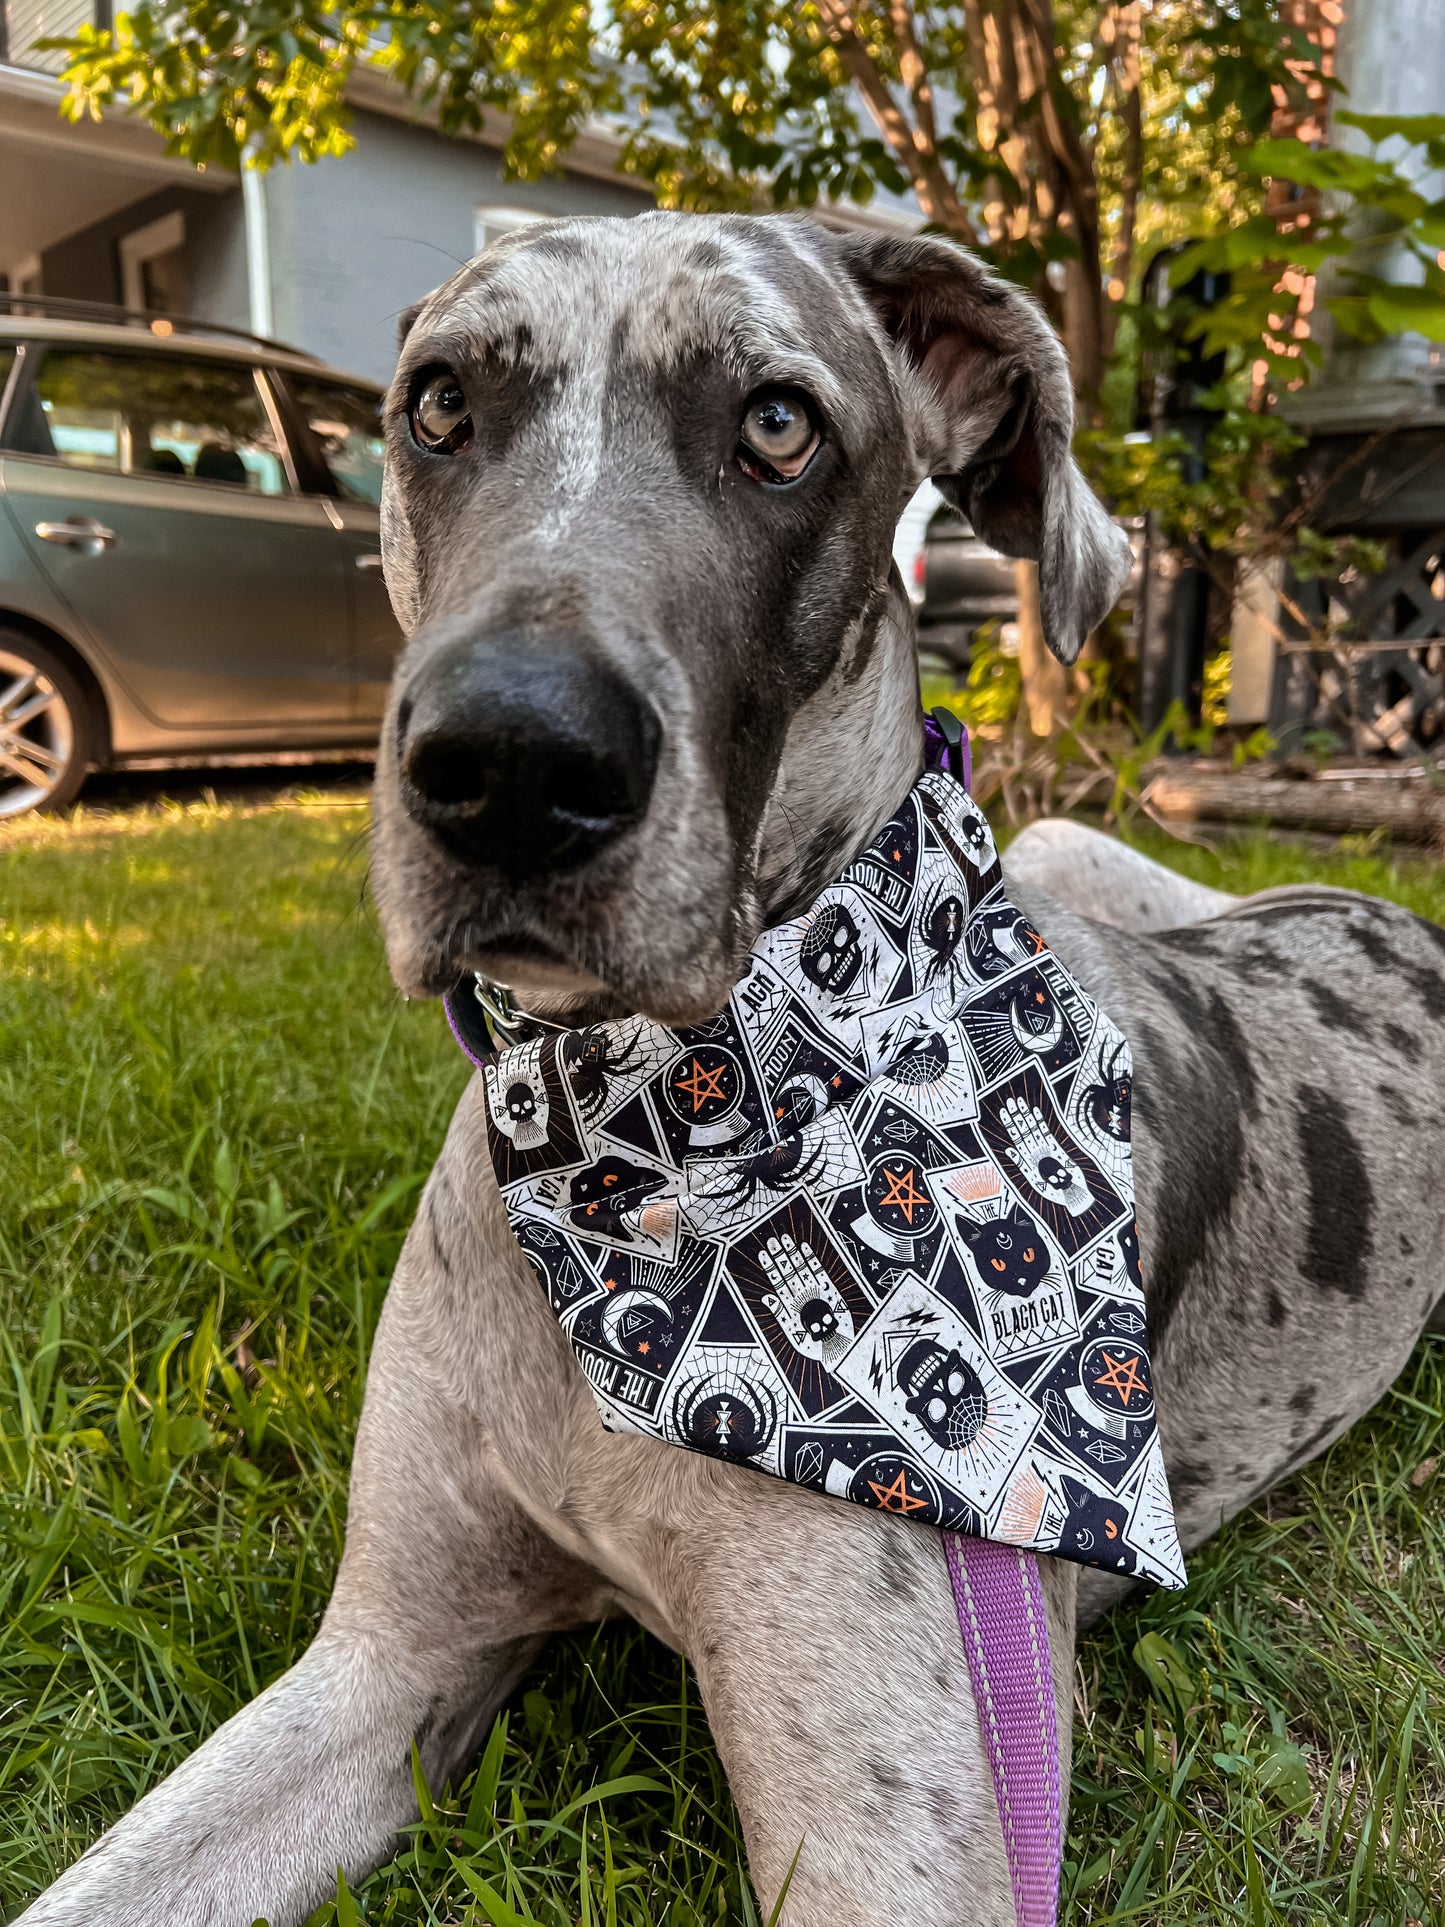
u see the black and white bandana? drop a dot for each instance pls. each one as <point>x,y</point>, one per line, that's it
<point>871,1228</point>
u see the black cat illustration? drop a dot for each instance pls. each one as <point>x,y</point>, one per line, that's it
<point>599,1195</point>
<point>1009,1253</point>
<point>1094,1528</point>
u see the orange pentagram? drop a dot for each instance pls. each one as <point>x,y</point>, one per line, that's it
<point>703,1085</point>
<point>895,1194</point>
<point>886,1494</point>
<point>1123,1377</point>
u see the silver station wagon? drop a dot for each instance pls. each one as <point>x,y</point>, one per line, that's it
<point>190,565</point>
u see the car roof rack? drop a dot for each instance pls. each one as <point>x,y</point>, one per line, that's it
<point>55,307</point>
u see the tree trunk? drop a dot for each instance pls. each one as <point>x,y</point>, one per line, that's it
<point>1045,680</point>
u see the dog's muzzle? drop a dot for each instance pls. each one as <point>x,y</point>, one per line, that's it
<point>523,756</point>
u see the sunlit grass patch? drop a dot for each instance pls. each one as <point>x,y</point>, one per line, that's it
<point>217,1114</point>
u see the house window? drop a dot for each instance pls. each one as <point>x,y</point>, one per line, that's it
<point>153,266</point>
<point>493,222</point>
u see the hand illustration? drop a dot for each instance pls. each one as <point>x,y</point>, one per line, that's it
<point>1042,1159</point>
<point>806,1303</point>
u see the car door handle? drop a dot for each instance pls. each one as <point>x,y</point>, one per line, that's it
<point>77,532</point>
<point>368,561</point>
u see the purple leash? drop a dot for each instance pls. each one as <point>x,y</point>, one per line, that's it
<point>1000,1603</point>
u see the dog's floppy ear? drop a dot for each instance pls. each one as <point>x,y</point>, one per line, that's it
<point>999,416</point>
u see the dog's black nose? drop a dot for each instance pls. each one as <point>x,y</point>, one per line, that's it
<point>526,757</point>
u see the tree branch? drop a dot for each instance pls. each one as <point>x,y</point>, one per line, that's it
<point>1127,23</point>
<point>914,146</point>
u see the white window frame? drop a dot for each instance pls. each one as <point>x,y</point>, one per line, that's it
<point>25,276</point>
<point>491,220</point>
<point>144,244</point>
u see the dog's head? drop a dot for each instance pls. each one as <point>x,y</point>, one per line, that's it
<point>642,483</point>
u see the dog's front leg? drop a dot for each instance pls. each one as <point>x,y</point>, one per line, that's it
<point>828,1655</point>
<point>445,1592</point>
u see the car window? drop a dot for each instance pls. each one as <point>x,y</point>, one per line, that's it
<point>346,421</point>
<point>197,421</point>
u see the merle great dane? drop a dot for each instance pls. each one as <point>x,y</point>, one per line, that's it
<point>660,687</point>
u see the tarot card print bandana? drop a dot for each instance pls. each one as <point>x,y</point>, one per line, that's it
<point>870,1229</point>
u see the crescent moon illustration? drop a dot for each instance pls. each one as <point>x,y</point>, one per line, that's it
<point>621,1304</point>
<point>1039,1045</point>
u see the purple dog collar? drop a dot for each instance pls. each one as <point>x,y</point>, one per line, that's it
<point>945,746</point>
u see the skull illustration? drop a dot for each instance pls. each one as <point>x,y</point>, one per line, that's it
<point>973,833</point>
<point>831,953</point>
<point>811,1311</point>
<point>944,1393</point>
<point>820,1320</point>
<point>520,1108</point>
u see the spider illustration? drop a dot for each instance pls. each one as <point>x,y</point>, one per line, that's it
<point>1107,1102</point>
<point>590,1062</point>
<point>942,927</point>
<point>773,1167</point>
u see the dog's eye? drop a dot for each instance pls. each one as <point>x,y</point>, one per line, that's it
<point>779,436</point>
<point>440,420</point>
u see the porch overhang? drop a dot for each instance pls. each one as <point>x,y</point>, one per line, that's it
<point>62,176</point>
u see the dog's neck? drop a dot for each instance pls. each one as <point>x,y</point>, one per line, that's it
<point>852,752</point>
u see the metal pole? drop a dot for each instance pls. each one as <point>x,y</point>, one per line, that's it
<point>258,245</point>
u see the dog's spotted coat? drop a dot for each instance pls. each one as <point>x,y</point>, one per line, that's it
<point>1289,1137</point>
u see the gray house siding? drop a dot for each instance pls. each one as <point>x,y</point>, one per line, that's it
<point>351,242</point>
<point>356,240</point>
<point>86,266</point>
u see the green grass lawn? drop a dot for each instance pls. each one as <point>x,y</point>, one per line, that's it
<point>216,1118</point>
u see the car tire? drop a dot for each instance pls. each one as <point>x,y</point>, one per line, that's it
<point>48,733</point>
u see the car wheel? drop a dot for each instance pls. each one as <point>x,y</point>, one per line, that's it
<point>47,734</point>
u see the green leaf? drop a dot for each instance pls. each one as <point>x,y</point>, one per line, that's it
<point>629,1783</point>
<point>1418,311</point>
<point>43,1370</point>
<point>179,1203</point>
<point>1283,1771</point>
<point>187,1435</point>
<point>346,1914</point>
<point>1415,128</point>
<point>1166,1669</point>
<point>488,1779</point>
<point>425,1805</point>
<point>127,1432</point>
<point>489,1900</point>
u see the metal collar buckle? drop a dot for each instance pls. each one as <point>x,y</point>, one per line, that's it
<point>506,1019</point>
